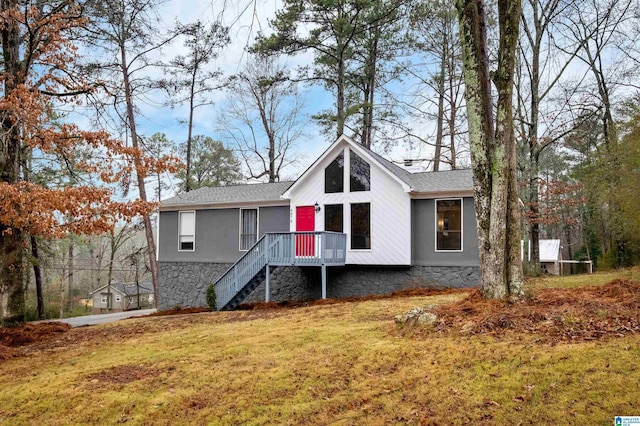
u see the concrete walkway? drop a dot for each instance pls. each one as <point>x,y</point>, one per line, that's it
<point>101,318</point>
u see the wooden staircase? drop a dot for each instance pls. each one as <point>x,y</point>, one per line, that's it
<point>278,249</point>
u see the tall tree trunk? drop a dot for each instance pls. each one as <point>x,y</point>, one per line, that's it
<point>454,87</point>
<point>38,277</point>
<point>340,113</point>
<point>440,118</point>
<point>12,305</point>
<point>140,174</point>
<point>493,149</point>
<point>370,88</point>
<point>187,186</point>
<point>70,279</point>
<point>63,280</point>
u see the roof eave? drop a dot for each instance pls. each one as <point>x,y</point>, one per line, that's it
<point>440,194</point>
<point>226,205</point>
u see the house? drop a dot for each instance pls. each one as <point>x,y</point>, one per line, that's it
<point>550,255</point>
<point>124,297</point>
<point>352,224</point>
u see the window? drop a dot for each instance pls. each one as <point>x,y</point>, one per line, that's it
<point>248,228</point>
<point>333,220</point>
<point>334,175</point>
<point>449,225</point>
<point>360,226</point>
<point>187,227</point>
<point>103,298</point>
<point>360,173</point>
<point>118,298</point>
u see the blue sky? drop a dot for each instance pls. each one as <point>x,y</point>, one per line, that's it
<point>245,21</point>
<point>245,18</point>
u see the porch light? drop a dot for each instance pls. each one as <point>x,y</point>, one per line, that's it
<point>317,207</point>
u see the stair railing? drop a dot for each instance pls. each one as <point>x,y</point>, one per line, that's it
<point>279,249</point>
<point>240,273</point>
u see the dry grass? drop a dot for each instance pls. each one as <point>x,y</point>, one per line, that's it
<point>330,364</point>
<point>582,280</point>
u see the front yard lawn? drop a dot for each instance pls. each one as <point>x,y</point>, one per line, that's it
<point>343,363</point>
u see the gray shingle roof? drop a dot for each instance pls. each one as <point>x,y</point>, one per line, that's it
<point>258,192</point>
<point>425,182</point>
<point>128,289</point>
<point>131,289</point>
<point>448,180</point>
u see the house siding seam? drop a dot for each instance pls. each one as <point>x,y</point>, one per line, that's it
<point>185,284</point>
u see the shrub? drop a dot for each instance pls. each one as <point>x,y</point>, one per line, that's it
<point>211,297</point>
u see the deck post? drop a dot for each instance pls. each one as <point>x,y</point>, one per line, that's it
<point>324,281</point>
<point>267,290</point>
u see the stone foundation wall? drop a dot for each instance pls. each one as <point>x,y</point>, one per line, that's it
<point>185,284</point>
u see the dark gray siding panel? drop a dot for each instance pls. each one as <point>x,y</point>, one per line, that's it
<point>274,219</point>
<point>423,229</point>
<point>217,234</point>
<point>216,237</point>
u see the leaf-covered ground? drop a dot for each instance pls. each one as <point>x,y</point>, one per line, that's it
<point>562,356</point>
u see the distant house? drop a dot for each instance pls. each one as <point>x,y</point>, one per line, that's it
<point>352,224</point>
<point>550,256</point>
<point>124,297</point>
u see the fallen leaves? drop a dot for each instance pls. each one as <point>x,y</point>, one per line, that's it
<point>552,315</point>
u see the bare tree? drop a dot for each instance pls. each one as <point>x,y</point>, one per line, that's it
<point>263,117</point>
<point>124,34</point>
<point>191,83</point>
<point>542,64</point>
<point>117,239</point>
<point>438,37</point>
<point>595,25</point>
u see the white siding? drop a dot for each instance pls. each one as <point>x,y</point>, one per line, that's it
<point>390,210</point>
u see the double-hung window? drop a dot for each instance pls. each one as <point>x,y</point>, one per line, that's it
<point>449,225</point>
<point>248,228</point>
<point>187,234</point>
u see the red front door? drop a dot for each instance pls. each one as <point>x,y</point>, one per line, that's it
<point>305,222</point>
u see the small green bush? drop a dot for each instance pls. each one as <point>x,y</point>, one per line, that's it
<point>211,297</point>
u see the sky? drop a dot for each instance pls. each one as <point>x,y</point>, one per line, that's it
<point>245,18</point>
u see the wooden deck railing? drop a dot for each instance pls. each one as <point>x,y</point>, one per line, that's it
<point>281,249</point>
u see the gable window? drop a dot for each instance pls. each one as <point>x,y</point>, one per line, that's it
<point>118,298</point>
<point>187,227</point>
<point>333,220</point>
<point>248,228</point>
<point>360,226</point>
<point>334,176</point>
<point>449,225</point>
<point>103,298</point>
<point>359,174</point>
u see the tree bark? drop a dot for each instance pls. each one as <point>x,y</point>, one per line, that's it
<point>493,149</point>
<point>38,277</point>
<point>140,174</point>
<point>12,305</point>
<point>187,185</point>
<point>70,278</point>
<point>440,118</point>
